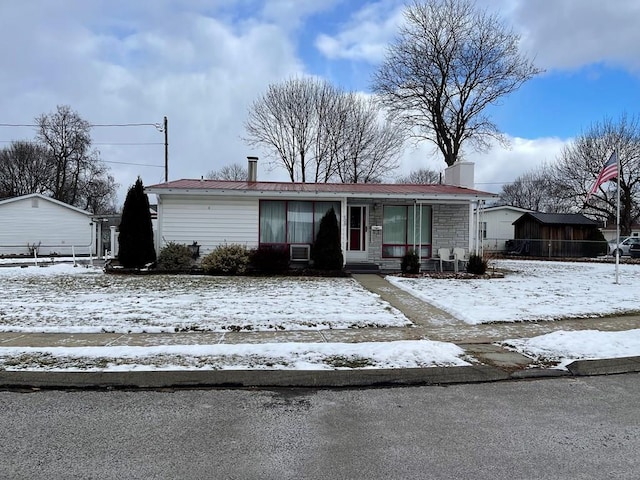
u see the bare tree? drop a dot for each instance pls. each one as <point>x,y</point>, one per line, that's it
<point>235,171</point>
<point>420,176</point>
<point>24,169</point>
<point>319,133</point>
<point>370,145</point>
<point>98,190</point>
<point>281,121</point>
<point>537,190</point>
<point>581,162</point>
<point>449,62</point>
<point>77,176</point>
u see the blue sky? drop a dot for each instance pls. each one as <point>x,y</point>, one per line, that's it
<point>202,62</point>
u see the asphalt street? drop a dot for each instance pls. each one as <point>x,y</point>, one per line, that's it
<point>558,428</point>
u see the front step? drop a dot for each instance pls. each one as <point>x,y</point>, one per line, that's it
<point>362,268</point>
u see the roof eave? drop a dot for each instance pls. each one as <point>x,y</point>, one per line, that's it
<point>465,197</point>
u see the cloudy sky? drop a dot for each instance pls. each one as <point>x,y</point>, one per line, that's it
<point>202,62</point>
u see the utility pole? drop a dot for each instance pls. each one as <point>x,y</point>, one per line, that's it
<point>166,150</point>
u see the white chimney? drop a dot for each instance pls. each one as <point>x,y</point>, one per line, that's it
<point>252,169</point>
<point>460,174</point>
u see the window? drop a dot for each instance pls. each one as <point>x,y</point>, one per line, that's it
<point>273,222</point>
<point>286,222</point>
<point>406,227</point>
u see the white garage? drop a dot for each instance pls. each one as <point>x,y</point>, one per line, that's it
<point>49,226</point>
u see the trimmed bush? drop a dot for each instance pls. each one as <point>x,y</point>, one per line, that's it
<point>410,262</point>
<point>326,252</point>
<point>175,256</point>
<point>477,265</point>
<point>270,259</point>
<point>226,260</point>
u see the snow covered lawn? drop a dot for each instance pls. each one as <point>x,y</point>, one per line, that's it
<point>563,347</point>
<point>61,298</point>
<point>533,290</point>
<point>289,356</point>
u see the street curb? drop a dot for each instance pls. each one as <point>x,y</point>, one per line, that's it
<point>253,378</point>
<point>539,373</point>
<point>305,378</point>
<point>605,366</point>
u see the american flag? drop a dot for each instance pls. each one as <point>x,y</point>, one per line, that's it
<point>609,171</point>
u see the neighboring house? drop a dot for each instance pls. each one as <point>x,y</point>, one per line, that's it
<point>49,226</point>
<point>495,226</point>
<point>609,232</point>
<point>378,222</point>
<point>554,234</point>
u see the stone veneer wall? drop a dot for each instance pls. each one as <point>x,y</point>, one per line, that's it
<point>450,228</point>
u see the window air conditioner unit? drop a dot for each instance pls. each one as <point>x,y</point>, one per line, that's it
<point>300,253</point>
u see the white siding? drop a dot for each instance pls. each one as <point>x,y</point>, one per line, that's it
<point>34,220</point>
<point>499,227</point>
<point>210,221</point>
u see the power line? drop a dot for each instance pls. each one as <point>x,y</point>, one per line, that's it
<point>97,144</point>
<point>91,125</point>
<point>136,164</point>
<point>130,143</point>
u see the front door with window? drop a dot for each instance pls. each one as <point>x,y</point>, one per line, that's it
<point>357,233</point>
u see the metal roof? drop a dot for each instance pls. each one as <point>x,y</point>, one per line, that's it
<point>187,186</point>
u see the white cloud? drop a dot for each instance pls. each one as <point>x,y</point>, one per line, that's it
<point>199,71</point>
<point>570,34</point>
<point>366,35</point>
<point>494,168</point>
<point>290,14</point>
<point>566,34</point>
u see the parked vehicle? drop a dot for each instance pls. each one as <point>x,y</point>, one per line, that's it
<point>623,246</point>
<point>634,250</point>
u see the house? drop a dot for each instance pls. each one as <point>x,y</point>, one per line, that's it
<point>555,234</point>
<point>495,226</point>
<point>609,232</point>
<point>378,222</point>
<point>37,222</point>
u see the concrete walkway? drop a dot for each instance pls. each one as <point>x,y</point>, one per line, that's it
<point>429,322</point>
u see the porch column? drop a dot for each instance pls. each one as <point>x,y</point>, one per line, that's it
<point>343,229</point>
<point>472,221</point>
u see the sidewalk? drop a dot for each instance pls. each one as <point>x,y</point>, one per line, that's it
<point>478,341</point>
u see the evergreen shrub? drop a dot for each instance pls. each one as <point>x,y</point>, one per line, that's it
<point>230,259</point>
<point>410,262</point>
<point>135,236</point>
<point>270,259</point>
<point>477,264</point>
<point>175,256</point>
<point>326,252</point>
<point>595,244</point>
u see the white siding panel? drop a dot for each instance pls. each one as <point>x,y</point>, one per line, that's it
<point>36,220</point>
<point>210,221</point>
<point>499,228</point>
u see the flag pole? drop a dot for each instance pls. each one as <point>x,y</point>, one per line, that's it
<point>617,153</point>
